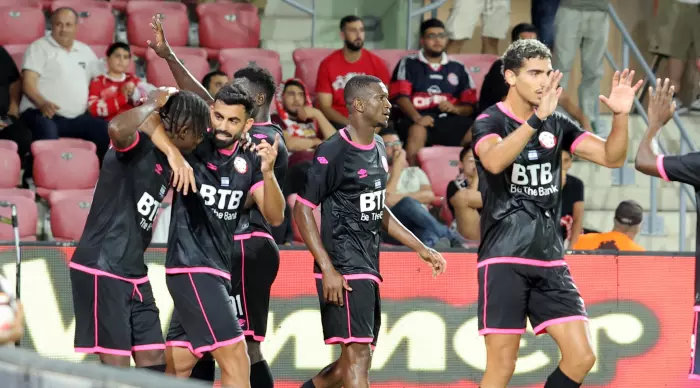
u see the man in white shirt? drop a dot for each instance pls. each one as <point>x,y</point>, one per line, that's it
<point>56,73</point>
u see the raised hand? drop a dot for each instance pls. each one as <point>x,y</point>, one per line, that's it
<point>550,95</point>
<point>160,96</point>
<point>622,93</point>
<point>434,259</point>
<point>268,154</point>
<point>183,175</point>
<point>159,44</point>
<point>661,104</point>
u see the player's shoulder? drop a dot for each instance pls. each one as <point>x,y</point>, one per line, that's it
<point>492,114</point>
<point>334,146</point>
<point>559,119</point>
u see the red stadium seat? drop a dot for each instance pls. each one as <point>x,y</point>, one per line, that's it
<point>21,25</point>
<point>138,18</point>
<point>17,51</point>
<point>40,146</point>
<point>227,25</point>
<point>68,217</point>
<point>120,5</point>
<point>392,56</point>
<point>101,52</point>
<point>96,23</point>
<point>179,51</point>
<point>8,145</point>
<point>307,61</point>
<point>20,3</point>
<point>291,200</point>
<point>234,59</point>
<point>63,169</point>
<point>60,195</point>
<point>10,166</point>
<point>441,164</point>
<point>17,192</point>
<point>478,65</point>
<point>27,216</point>
<point>158,73</point>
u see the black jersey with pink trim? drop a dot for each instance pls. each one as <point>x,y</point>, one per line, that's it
<point>252,220</point>
<point>203,223</point>
<point>531,185</point>
<point>348,180</point>
<point>132,183</point>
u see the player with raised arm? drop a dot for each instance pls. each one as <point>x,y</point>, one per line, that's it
<point>521,269</point>
<point>116,315</point>
<point>201,245</point>
<point>256,260</point>
<point>348,179</point>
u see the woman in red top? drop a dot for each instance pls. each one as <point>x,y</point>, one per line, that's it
<point>116,91</point>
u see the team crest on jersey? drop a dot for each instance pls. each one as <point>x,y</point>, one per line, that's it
<point>547,140</point>
<point>240,165</point>
<point>385,164</point>
<point>452,79</point>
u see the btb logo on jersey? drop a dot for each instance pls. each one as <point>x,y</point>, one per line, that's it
<point>372,205</point>
<point>534,179</point>
<point>547,140</point>
<point>147,207</point>
<point>223,202</point>
<point>240,165</point>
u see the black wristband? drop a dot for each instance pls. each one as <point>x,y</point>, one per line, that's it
<point>535,122</point>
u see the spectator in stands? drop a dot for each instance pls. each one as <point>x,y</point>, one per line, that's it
<point>214,81</point>
<point>341,65</point>
<point>466,14</point>
<point>582,24</point>
<point>408,193</point>
<point>572,196</point>
<point>11,127</point>
<point>56,74</point>
<point>627,224</point>
<point>543,13</point>
<point>463,197</point>
<point>495,88</point>
<point>435,94</point>
<point>116,91</point>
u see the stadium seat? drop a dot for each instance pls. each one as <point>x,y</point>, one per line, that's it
<point>158,73</point>
<point>236,58</point>
<point>101,52</point>
<point>291,200</point>
<point>21,25</point>
<point>59,195</point>
<point>8,145</point>
<point>40,146</point>
<point>307,61</point>
<point>27,217</point>
<point>10,166</point>
<point>478,66</point>
<point>120,5</point>
<point>96,23</point>
<point>17,192</point>
<point>20,3</point>
<point>441,164</point>
<point>392,56</point>
<point>227,25</point>
<point>138,18</point>
<point>68,217</point>
<point>62,169</point>
<point>179,51</point>
<point>17,51</point>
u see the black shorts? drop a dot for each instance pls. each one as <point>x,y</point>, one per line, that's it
<point>359,319</point>
<point>511,290</point>
<point>448,130</point>
<point>203,318</point>
<point>113,315</point>
<point>254,270</point>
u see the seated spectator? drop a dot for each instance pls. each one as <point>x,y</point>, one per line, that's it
<point>464,198</point>
<point>341,65</point>
<point>628,221</point>
<point>572,196</point>
<point>304,126</point>
<point>408,193</point>
<point>11,127</point>
<point>494,87</point>
<point>56,73</point>
<point>116,91</point>
<point>435,94</point>
<point>214,80</point>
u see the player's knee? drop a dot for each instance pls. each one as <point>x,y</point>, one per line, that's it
<point>502,360</point>
<point>358,357</point>
<point>254,352</point>
<point>149,358</point>
<point>582,360</point>
<point>231,358</point>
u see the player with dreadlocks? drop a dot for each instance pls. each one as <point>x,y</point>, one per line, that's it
<point>116,315</point>
<point>256,256</point>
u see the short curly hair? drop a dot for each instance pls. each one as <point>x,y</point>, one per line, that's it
<point>520,51</point>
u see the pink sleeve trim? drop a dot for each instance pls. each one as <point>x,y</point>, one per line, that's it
<point>482,116</point>
<point>129,148</point>
<point>578,141</point>
<point>660,167</point>
<point>306,202</point>
<point>490,135</point>
<point>256,186</point>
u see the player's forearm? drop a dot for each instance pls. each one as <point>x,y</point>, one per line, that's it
<point>185,80</point>
<point>617,142</point>
<point>399,232</point>
<point>161,140</point>
<point>122,128</point>
<point>502,154</point>
<point>273,205</point>
<point>645,161</point>
<point>407,108</point>
<point>334,116</point>
<point>304,218</point>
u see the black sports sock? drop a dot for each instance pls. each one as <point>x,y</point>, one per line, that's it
<point>261,375</point>
<point>308,384</point>
<point>204,370</point>
<point>559,380</point>
<point>156,368</point>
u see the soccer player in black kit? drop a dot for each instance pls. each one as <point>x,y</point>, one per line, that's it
<point>348,179</point>
<point>116,315</point>
<point>521,270</point>
<point>256,258</point>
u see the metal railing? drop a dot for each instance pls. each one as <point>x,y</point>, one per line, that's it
<point>654,223</point>
<point>310,11</point>
<point>417,13</point>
